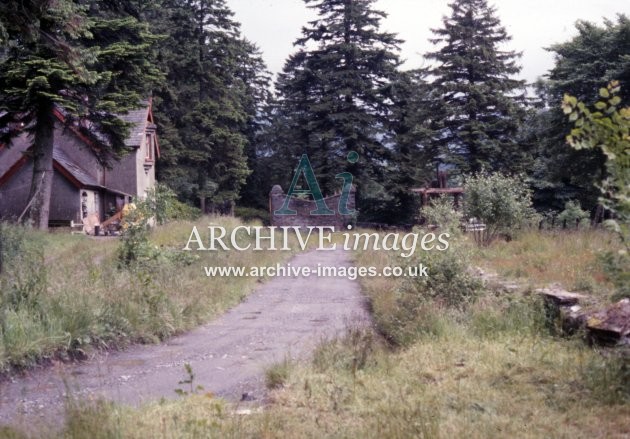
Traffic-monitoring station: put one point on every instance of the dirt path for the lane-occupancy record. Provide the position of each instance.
(283, 317)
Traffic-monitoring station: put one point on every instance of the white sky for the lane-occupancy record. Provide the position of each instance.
(275, 24)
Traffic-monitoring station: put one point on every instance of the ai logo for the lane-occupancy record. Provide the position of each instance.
(304, 167)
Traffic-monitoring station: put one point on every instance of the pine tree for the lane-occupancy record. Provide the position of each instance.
(583, 65)
(90, 60)
(335, 95)
(415, 157)
(208, 118)
(481, 103)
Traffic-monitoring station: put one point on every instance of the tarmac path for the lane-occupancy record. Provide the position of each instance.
(284, 317)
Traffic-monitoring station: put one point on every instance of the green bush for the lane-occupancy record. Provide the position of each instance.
(449, 281)
(252, 214)
(572, 215)
(134, 242)
(442, 213)
(162, 204)
(418, 301)
(502, 203)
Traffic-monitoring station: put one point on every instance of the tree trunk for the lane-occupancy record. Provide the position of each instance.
(1, 247)
(41, 185)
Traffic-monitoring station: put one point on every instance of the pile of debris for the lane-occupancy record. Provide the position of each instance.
(604, 325)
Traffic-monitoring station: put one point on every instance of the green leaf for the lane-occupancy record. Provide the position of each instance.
(603, 92)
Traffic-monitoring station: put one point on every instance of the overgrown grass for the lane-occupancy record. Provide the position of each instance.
(480, 377)
(489, 368)
(62, 295)
(570, 258)
(277, 374)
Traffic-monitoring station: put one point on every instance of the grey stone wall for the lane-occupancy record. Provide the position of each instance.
(303, 218)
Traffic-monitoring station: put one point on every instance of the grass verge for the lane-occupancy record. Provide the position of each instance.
(570, 258)
(62, 295)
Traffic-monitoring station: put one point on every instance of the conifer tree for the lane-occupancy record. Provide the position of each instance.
(209, 103)
(90, 60)
(481, 104)
(414, 155)
(334, 95)
(583, 64)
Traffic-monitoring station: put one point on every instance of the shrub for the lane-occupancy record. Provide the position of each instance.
(572, 215)
(252, 214)
(159, 206)
(442, 213)
(278, 374)
(161, 203)
(134, 243)
(503, 203)
(419, 302)
(449, 281)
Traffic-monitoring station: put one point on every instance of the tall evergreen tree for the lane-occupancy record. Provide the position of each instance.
(89, 59)
(209, 103)
(583, 65)
(415, 156)
(335, 94)
(481, 102)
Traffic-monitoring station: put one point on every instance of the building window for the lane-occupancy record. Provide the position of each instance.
(84, 204)
(150, 148)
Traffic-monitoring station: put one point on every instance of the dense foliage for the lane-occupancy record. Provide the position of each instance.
(597, 55)
(479, 103)
(89, 60)
(225, 138)
(607, 128)
(502, 203)
(207, 108)
(334, 98)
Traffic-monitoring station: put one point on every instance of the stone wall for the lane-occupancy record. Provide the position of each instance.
(303, 218)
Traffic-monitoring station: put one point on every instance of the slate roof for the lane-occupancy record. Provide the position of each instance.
(138, 119)
(77, 172)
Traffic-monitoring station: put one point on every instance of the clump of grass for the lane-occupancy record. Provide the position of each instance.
(11, 433)
(358, 349)
(278, 374)
(517, 315)
(608, 378)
